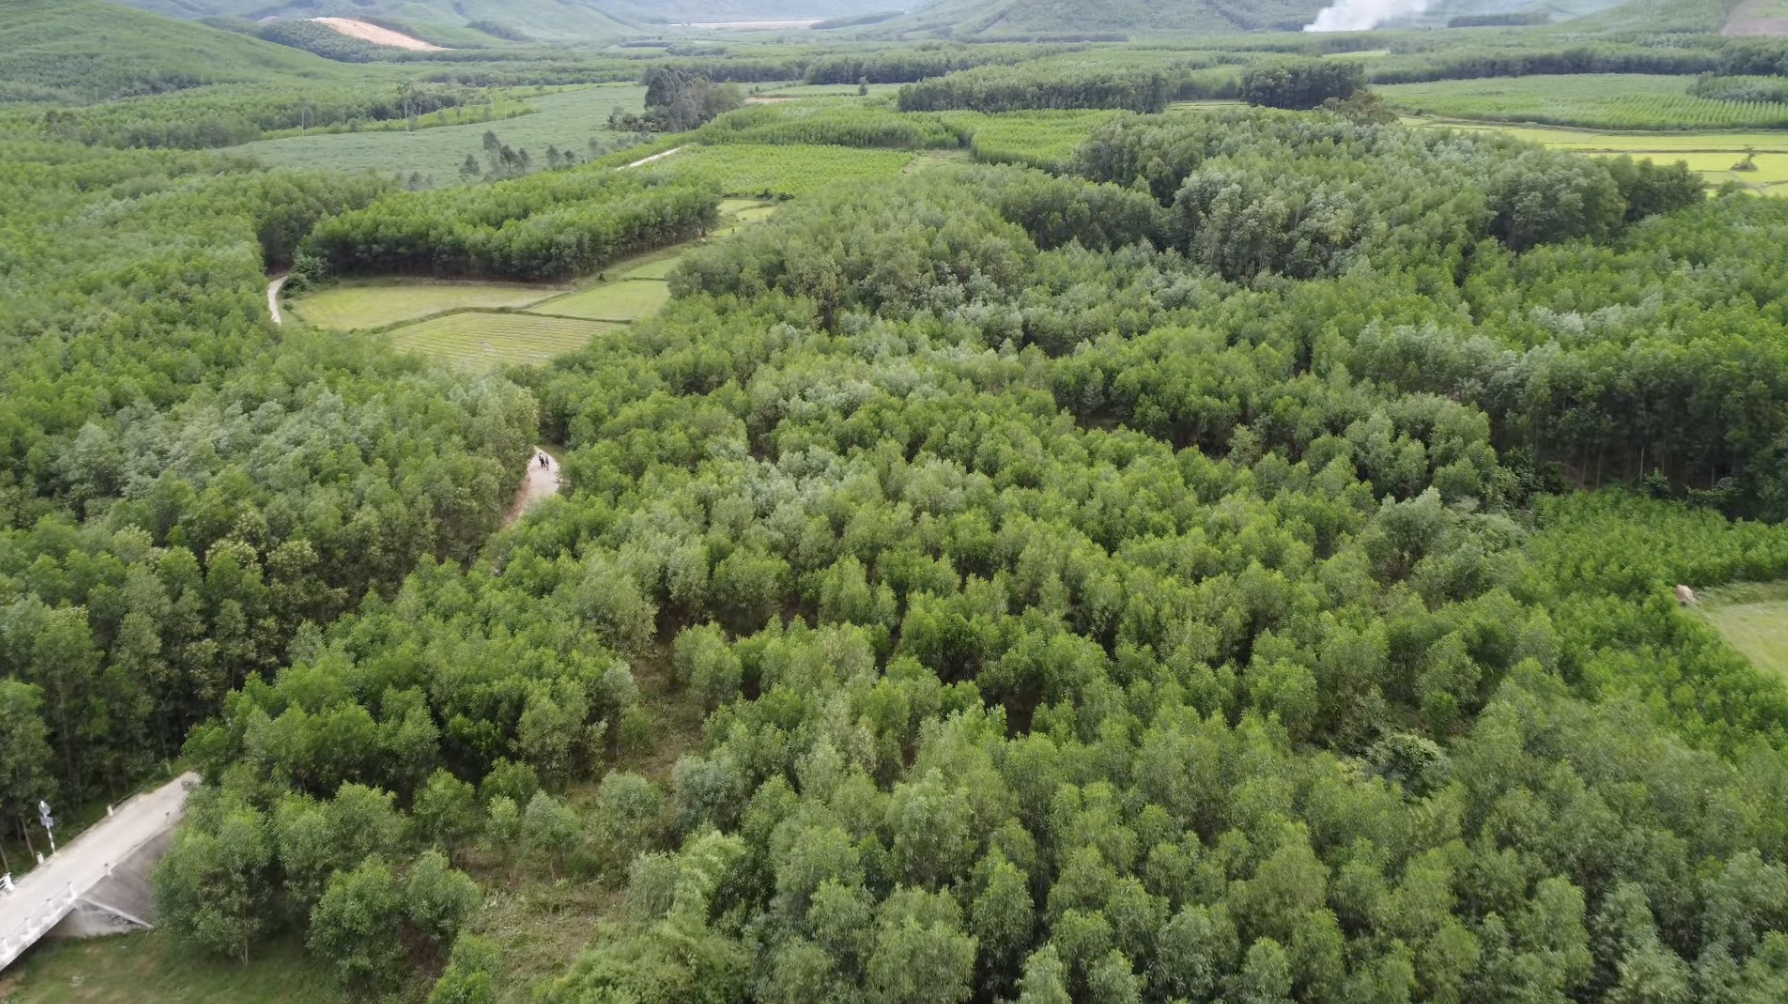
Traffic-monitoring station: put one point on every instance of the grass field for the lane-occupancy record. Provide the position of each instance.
(1599, 101)
(141, 968)
(1712, 154)
(380, 303)
(568, 119)
(621, 300)
(1754, 618)
(477, 340)
(749, 169)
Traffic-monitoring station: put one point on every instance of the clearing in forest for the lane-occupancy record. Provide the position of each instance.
(367, 32)
(625, 300)
(476, 340)
(367, 305)
(1754, 618)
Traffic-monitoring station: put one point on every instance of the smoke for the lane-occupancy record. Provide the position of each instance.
(1364, 15)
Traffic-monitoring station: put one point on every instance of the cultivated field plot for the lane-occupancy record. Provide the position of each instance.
(624, 300)
(478, 340)
(750, 169)
(568, 119)
(1600, 101)
(1045, 139)
(1754, 618)
(378, 304)
(1712, 154)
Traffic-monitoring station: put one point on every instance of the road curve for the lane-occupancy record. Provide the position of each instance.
(277, 283)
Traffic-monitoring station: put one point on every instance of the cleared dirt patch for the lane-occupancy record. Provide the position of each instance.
(377, 35)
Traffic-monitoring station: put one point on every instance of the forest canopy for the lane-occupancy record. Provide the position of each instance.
(1051, 548)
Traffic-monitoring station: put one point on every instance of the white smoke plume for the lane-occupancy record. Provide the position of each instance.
(1364, 15)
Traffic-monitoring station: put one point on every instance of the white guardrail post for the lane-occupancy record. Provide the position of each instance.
(36, 925)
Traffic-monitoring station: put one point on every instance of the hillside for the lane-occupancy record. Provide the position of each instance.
(442, 21)
(87, 50)
(1051, 17)
(459, 22)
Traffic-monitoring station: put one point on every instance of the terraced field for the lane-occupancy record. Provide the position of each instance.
(478, 340)
(381, 303)
(625, 300)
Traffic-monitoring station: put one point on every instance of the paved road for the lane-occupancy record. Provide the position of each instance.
(540, 483)
(82, 862)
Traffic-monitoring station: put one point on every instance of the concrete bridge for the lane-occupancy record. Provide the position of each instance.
(97, 883)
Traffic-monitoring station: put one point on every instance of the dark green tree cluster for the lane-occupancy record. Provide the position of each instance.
(909, 64)
(1303, 197)
(541, 227)
(1304, 84)
(1041, 86)
(832, 125)
(678, 100)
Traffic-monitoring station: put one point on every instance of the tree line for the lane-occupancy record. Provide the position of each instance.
(536, 228)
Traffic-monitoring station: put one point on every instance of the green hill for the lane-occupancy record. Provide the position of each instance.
(86, 50)
(442, 21)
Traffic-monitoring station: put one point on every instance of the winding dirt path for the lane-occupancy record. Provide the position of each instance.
(276, 284)
(540, 483)
(647, 160)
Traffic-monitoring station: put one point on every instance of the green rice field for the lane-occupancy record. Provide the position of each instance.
(381, 303)
(569, 119)
(622, 300)
(1600, 101)
(477, 340)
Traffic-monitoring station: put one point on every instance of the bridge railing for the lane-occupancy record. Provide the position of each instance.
(36, 924)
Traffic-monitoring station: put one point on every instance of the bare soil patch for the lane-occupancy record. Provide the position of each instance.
(376, 35)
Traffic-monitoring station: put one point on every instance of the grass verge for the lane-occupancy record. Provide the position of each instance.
(150, 968)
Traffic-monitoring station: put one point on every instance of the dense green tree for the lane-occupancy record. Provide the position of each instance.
(355, 925)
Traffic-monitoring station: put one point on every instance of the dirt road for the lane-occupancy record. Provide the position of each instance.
(540, 483)
(647, 160)
(276, 284)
